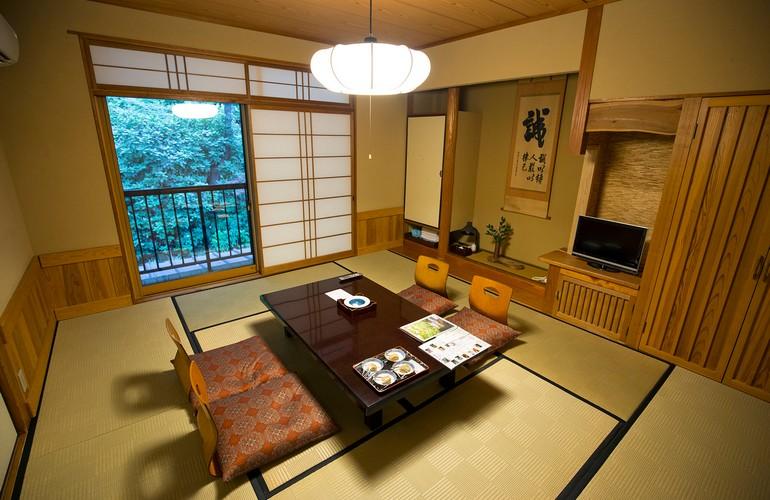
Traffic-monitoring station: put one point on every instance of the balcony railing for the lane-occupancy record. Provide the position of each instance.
(189, 230)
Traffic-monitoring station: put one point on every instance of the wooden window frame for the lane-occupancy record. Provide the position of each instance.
(99, 93)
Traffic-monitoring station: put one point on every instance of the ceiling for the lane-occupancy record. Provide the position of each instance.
(417, 23)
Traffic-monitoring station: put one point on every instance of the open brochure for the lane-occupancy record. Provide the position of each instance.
(454, 347)
(428, 327)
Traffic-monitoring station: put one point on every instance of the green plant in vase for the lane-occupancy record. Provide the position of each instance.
(500, 236)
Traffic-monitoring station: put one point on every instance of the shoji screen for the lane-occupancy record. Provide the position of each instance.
(303, 173)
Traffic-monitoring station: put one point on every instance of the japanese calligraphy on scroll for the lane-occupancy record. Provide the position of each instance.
(536, 123)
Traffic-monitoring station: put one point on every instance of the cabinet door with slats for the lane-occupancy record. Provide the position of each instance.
(592, 305)
(690, 320)
(749, 368)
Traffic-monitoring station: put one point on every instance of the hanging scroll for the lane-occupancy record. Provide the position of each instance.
(537, 117)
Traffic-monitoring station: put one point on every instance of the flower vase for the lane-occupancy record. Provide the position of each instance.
(497, 252)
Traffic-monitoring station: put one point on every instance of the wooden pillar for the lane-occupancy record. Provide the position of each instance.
(448, 170)
(587, 61)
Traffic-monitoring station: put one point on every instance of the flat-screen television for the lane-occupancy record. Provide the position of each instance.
(609, 244)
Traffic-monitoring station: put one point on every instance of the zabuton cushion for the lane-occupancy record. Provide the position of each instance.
(266, 423)
(236, 368)
(427, 300)
(490, 331)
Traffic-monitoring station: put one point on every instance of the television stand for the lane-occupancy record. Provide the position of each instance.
(589, 295)
(603, 267)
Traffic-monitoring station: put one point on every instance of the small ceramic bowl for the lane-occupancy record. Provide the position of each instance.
(395, 355)
(403, 368)
(371, 365)
(384, 378)
(357, 302)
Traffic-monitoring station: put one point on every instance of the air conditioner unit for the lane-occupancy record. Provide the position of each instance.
(9, 43)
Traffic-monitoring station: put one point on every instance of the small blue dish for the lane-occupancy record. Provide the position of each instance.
(357, 302)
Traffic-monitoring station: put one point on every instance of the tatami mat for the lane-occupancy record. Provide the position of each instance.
(156, 458)
(226, 303)
(114, 422)
(612, 376)
(297, 359)
(504, 433)
(696, 439)
(107, 370)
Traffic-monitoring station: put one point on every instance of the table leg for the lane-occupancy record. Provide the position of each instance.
(447, 381)
(374, 420)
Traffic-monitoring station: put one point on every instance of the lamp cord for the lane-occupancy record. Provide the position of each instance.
(371, 33)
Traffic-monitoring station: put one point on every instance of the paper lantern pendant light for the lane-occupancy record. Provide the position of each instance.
(370, 68)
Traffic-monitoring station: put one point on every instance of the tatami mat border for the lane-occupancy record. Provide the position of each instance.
(589, 469)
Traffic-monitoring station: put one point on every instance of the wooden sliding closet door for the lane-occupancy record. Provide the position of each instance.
(749, 368)
(703, 277)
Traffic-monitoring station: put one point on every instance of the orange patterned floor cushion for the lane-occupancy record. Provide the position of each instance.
(266, 423)
(427, 300)
(490, 331)
(236, 368)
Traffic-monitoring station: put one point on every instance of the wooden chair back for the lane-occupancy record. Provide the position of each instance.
(206, 426)
(490, 298)
(431, 274)
(181, 360)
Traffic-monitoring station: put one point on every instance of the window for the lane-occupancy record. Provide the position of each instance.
(184, 185)
(302, 162)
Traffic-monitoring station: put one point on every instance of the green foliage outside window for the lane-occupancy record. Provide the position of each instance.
(158, 150)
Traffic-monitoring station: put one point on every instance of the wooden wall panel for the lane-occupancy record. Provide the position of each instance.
(86, 281)
(26, 334)
(379, 229)
(705, 279)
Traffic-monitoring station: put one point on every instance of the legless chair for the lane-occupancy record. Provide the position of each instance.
(247, 430)
(429, 291)
(488, 316)
(228, 370)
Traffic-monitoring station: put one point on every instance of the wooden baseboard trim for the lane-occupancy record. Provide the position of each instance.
(69, 312)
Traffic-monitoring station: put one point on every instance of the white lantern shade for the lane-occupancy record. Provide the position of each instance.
(195, 110)
(370, 68)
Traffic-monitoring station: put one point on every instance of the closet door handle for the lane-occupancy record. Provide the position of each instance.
(758, 270)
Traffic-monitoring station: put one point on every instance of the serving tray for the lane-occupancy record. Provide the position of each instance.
(390, 366)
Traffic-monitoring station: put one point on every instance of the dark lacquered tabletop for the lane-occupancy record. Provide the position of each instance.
(340, 340)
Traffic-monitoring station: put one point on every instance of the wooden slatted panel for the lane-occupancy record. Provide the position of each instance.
(751, 370)
(593, 307)
(86, 281)
(749, 367)
(379, 229)
(694, 316)
(26, 331)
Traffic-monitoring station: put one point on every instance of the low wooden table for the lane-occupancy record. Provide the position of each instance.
(339, 339)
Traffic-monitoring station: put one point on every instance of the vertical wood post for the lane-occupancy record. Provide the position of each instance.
(587, 60)
(448, 170)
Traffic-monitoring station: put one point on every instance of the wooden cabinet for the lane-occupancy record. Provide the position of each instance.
(593, 299)
(702, 300)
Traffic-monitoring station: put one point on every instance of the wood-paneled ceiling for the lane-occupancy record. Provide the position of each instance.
(417, 23)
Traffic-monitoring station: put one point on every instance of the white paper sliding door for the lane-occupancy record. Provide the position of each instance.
(303, 172)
